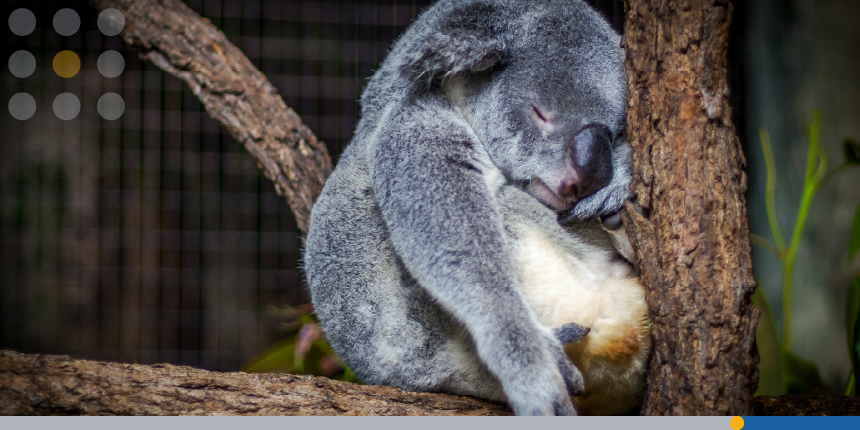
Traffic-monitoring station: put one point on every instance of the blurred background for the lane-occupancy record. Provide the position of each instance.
(154, 238)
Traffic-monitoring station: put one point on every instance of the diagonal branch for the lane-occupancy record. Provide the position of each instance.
(234, 93)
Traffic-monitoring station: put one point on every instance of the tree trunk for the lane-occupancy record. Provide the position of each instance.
(691, 236)
(234, 93)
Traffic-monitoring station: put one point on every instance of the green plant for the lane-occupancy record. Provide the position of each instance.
(781, 371)
(304, 351)
(852, 310)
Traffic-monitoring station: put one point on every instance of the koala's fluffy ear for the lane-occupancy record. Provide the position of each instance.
(468, 41)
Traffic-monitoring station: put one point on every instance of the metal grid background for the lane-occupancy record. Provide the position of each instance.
(154, 238)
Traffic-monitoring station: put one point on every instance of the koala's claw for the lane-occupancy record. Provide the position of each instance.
(571, 333)
(572, 376)
(612, 221)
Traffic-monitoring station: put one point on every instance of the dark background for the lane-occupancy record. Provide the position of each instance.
(154, 238)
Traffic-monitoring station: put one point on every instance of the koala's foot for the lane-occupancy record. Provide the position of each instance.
(570, 333)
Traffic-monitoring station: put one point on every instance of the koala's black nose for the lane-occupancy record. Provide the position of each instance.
(589, 162)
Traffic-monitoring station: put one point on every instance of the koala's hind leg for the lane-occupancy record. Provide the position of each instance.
(377, 318)
(398, 336)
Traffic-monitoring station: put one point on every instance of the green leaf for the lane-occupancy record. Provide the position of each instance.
(279, 358)
(852, 309)
(348, 376)
(770, 191)
(770, 365)
(854, 242)
(852, 326)
(802, 377)
(852, 151)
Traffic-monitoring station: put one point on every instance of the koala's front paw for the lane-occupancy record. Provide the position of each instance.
(545, 386)
(606, 201)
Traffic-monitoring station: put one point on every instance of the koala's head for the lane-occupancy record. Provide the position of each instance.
(541, 82)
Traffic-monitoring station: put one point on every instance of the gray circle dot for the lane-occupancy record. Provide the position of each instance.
(22, 64)
(111, 64)
(22, 22)
(111, 106)
(22, 106)
(67, 22)
(111, 22)
(67, 106)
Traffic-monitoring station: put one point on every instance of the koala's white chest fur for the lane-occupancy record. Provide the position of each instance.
(595, 292)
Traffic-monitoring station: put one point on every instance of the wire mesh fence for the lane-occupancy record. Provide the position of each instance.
(153, 237)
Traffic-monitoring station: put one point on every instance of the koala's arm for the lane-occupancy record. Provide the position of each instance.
(431, 184)
(610, 198)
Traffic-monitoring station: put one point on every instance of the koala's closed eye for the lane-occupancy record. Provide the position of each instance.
(543, 119)
(539, 114)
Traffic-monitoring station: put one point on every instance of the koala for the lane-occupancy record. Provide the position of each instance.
(413, 270)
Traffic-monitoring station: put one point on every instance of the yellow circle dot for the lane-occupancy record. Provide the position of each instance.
(67, 64)
(737, 423)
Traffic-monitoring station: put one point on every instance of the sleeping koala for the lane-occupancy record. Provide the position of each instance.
(412, 268)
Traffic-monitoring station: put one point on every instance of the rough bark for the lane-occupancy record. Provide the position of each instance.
(692, 237)
(234, 93)
(59, 385)
(792, 405)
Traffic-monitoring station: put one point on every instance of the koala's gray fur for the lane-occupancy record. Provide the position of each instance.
(409, 264)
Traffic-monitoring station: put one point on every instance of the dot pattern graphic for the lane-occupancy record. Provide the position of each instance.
(111, 22)
(111, 106)
(22, 106)
(22, 64)
(22, 22)
(67, 106)
(111, 64)
(66, 64)
(67, 22)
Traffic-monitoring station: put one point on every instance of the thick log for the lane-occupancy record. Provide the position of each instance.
(234, 93)
(60, 385)
(692, 236)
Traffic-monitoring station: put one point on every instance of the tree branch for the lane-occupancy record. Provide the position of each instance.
(234, 93)
(60, 385)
